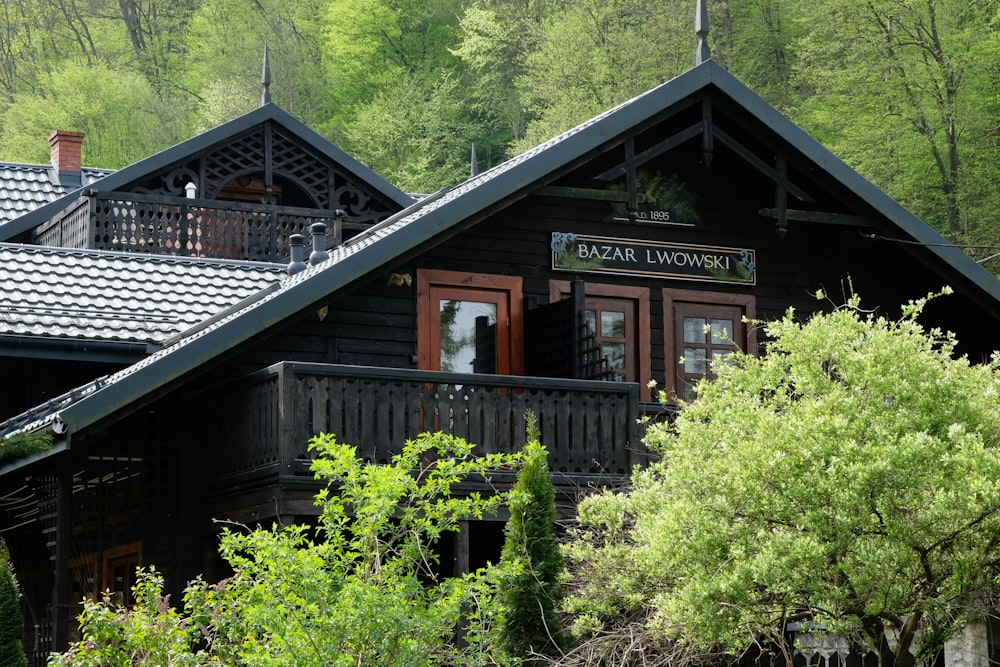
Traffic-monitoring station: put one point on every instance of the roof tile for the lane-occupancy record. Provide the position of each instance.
(25, 187)
(106, 296)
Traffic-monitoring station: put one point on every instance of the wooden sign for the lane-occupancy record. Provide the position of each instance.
(679, 261)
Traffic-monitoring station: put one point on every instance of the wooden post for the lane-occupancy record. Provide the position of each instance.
(64, 537)
(461, 558)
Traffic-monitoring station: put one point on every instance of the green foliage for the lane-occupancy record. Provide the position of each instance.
(121, 114)
(22, 444)
(224, 44)
(361, 588)
(417, 134)
(594, 54)
(11, 617)
(533, 584)
(149, 633)
(897, 90)
(373, 46)
(850, 477)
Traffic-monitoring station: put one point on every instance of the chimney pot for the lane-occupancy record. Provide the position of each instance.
(297, 249)
(319, 253)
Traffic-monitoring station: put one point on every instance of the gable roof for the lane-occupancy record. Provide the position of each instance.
(269, 112)
(424, 221)
(91, 295)
(25, 187)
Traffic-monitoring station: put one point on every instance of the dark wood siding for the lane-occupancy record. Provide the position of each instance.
(375, 323)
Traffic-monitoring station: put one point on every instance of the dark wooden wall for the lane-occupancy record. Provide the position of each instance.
(375, 324)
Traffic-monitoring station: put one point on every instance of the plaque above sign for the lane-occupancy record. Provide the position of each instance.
(679, 261)
(652, 214)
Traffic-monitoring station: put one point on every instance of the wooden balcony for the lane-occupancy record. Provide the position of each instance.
(162, 225)
(589, 427)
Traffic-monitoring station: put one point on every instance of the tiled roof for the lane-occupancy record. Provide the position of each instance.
(25, 187)
(112, 296)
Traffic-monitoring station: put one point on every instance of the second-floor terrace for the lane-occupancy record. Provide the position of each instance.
(190, 227)
(591, 428)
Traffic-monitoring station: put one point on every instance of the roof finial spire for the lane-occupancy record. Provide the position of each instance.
(474, 163)
(701, 29)
(265, 80)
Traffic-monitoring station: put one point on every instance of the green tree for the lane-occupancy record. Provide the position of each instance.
(120, 113)
(495, 39)
(896, 89)
(417, 134)
(11, 617)
(362, 587)
(849, 478)
(373, 46)
(535, 567)
(754, 40)
(594, 54)
(224, 45)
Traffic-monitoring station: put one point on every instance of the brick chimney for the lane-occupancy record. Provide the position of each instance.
(65, 148)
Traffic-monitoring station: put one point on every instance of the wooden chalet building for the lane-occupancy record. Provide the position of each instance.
(561, 281)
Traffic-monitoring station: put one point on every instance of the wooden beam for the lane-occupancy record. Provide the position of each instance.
(707, 143)
(631, 181)
(582, 193)
(760, 165)
(60, 559)
(654, 151)
(781, 197)
(819, 217)
(268, 163)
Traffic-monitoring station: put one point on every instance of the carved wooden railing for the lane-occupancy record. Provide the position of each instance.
(589, 427)
(163, 225)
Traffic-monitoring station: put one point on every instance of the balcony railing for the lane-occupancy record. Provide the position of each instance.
(589, 427)
(162, 225)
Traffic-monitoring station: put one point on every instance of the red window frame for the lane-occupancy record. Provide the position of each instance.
(675, 300)
(559, 289)
(434, 284)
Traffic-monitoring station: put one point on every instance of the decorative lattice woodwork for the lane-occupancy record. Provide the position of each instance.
(292, 165)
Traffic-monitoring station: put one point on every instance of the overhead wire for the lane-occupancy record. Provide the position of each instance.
(963, 248)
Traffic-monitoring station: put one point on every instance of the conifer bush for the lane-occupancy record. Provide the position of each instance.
(11, 618)
(531, 626)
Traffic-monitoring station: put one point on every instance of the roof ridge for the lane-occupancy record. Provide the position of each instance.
(48, 166)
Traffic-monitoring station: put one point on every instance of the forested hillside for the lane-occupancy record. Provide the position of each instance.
(906, 91)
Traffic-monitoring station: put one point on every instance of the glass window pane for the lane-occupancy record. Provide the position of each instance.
(591, 319)
(720, 357)
(687, 388)
(612, 324)
(463, 338)
(694, 329)
(614, 353)
(722, 332)
(695, 360)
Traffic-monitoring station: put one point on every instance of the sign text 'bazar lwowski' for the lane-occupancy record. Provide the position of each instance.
(597, 254)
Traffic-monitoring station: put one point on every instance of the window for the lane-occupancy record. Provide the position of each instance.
(612, 322)
(618, 316)
(699, 330)
(120, 564)
(88, 581)
(469, 323)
